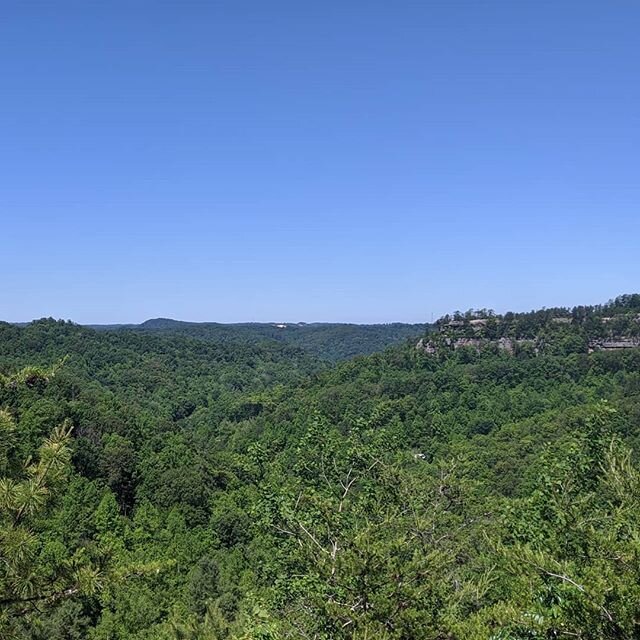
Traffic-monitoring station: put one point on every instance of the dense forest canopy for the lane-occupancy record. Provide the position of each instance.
(479, 481)
(326, 341)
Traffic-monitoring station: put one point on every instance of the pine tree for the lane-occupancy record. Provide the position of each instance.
(34, 574)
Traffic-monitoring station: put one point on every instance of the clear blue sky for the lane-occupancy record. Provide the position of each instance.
(359, 161)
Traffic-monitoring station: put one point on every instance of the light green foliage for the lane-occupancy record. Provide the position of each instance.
(370, 540)
(163, 485)
(36, 569)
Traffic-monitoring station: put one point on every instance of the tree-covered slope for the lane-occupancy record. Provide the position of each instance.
(441, 489)
(327, 341)
(140, 367)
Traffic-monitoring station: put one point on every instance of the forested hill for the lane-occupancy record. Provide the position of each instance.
(166, 374)
(478, 483)
(328, 341)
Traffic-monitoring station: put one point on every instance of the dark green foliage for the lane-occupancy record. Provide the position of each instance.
(327, 341)
(38, 569)
(211, 488)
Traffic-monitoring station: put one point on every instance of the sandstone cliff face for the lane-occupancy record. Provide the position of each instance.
(503, 344)
(510, 345)
(546, 331)
(612, 344)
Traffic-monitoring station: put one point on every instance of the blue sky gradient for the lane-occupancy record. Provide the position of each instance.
(360, 161)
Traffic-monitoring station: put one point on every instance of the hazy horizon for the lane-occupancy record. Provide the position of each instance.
(289, 321)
